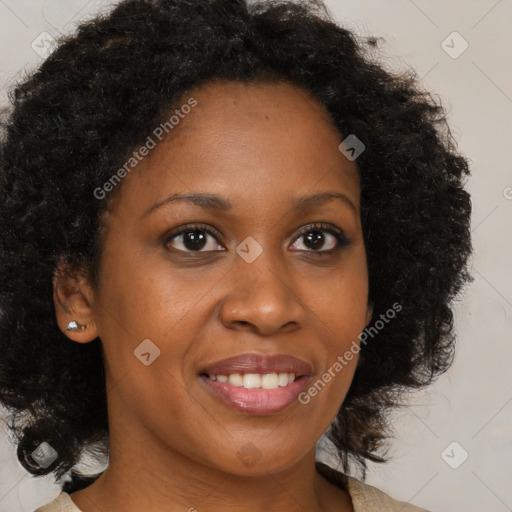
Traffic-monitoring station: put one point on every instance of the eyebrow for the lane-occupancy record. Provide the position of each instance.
(218, 203)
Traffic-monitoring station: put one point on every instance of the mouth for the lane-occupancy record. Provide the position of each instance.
(257, 383)
(256, 394)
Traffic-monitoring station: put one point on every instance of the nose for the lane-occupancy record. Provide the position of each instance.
(262, 297)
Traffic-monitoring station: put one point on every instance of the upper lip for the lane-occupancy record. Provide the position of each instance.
(258, 363)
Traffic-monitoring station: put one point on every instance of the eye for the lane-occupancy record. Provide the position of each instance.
(194, 239)
(314, 238)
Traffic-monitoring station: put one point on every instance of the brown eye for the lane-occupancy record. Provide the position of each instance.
(193, 239)
(315, 238)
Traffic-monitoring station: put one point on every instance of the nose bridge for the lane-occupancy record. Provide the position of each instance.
(267, 272)
(262, 290)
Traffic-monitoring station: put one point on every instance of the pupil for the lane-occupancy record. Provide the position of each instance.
(194, 240)
(316, 238)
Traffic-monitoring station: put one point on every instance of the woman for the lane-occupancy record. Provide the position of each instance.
(226, 232)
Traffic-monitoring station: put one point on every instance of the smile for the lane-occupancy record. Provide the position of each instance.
(253, 393)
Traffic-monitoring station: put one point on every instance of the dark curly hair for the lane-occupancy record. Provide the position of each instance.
(72, 123)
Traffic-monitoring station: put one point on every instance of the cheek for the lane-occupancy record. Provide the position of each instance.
(148, 299)
(144, 299)
(342, 308)
(146, 328)
(340, 343)
(344, 299)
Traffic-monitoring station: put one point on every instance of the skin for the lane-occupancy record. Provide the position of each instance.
(173, 445)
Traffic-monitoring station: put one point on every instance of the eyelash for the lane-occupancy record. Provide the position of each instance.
(338, 234)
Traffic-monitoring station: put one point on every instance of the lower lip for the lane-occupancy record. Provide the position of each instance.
(257, 400)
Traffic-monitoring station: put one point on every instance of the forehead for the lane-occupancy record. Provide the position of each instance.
(256, 141)
(230, 107)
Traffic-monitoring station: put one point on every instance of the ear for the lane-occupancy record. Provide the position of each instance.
(73, 299)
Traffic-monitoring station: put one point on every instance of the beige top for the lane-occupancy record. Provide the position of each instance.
(365, 498)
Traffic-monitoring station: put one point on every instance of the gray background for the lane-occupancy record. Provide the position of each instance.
(471, 405)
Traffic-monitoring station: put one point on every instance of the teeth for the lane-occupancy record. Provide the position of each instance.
(270, 381)
(283, 379)
(235, 379)
(249, 380)
(256, 380)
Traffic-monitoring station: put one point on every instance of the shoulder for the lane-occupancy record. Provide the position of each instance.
(62, 503)
(365, 497)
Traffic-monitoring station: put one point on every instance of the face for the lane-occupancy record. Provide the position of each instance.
(203, 283)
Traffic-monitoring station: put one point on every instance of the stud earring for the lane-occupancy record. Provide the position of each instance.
(74, 326)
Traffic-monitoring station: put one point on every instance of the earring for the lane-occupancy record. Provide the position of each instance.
(74, 326)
